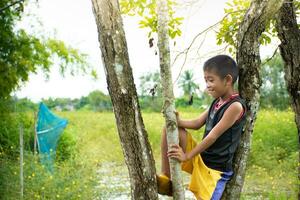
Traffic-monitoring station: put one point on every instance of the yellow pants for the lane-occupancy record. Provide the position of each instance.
(206, 183)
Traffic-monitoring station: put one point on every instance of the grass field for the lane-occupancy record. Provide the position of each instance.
(99, 162)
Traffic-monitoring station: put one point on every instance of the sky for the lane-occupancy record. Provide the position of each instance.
(73, 22)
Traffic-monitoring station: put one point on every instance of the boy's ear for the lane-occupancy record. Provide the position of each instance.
(229, 79)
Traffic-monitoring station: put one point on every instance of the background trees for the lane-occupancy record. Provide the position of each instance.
(22, 53)
(187, 83)
(273, 90)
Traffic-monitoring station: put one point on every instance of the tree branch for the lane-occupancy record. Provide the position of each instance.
(187, 50)
(268, 60)
(10, 5)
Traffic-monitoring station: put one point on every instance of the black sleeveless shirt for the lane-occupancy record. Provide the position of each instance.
(220, 154)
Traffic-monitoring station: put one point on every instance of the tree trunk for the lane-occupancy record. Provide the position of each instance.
(248, 60)
(169, 104)
(132, 133)
(289, 34)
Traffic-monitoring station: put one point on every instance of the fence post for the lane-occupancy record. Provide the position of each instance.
(21, 162)
(35, 133)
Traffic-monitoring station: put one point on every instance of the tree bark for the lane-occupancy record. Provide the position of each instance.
(169, 104)
(248, 59)
(289, 35)
(132, 133)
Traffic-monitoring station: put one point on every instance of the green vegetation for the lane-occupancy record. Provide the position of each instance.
(271, 173)
(89, 154)
(273, 91)
(22, 53)
(273, 163)
(146, 10)
(187, 83)
(235, 11)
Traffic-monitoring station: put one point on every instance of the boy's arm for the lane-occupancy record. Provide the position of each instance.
(229, 118)
(194, 123)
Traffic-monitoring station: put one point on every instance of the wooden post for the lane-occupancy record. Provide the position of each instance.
(35, 133)
(21, 162)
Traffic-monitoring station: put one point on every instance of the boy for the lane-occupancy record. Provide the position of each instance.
(209, 162)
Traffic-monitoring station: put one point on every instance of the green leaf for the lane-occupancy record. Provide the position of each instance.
(146, 10)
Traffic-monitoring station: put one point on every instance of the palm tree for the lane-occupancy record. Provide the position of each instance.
(186, 82)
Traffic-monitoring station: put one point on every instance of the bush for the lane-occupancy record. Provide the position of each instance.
(150, 103)
(73, 179)
(66, 146)
(279, 142)
(10, 124)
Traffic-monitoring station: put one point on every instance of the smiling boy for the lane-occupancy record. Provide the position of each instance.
(210, 161)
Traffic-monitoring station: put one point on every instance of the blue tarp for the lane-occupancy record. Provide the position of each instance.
(49, 128)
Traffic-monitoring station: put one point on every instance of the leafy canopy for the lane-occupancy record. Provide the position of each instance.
(235, 12)
(22, 53)
(146, 9)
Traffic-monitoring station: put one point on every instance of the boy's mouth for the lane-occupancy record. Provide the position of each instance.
(210, 91)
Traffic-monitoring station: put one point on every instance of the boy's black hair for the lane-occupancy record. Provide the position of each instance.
(222, 65)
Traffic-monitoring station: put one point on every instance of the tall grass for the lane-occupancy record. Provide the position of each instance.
(272, 166)
(271, 170)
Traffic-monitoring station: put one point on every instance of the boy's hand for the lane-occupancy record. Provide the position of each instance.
(177, 153)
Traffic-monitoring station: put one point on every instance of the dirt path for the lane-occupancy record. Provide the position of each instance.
(114, 183)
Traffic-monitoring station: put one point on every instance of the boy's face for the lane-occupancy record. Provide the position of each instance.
(215, 85)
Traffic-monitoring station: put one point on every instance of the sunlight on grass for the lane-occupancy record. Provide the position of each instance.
(97, 168)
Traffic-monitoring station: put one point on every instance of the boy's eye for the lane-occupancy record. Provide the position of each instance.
(209, 80)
